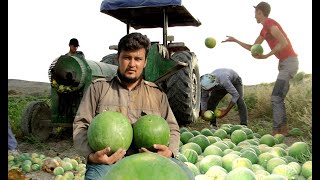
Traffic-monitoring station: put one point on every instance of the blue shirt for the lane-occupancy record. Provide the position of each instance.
(226, 78)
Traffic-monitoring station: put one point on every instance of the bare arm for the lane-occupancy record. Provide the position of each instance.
(224, 112)
(282, 41)
(246, 46)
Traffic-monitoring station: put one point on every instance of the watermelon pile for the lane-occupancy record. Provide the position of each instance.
(61, 168)
(114, 130)
(236, 152)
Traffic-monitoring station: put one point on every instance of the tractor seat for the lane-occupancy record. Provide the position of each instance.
(177, 46)
(163, 51)
(113, 47)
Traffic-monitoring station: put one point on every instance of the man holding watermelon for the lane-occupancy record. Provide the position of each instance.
(288, 66)
(130, 94)
(217, 84)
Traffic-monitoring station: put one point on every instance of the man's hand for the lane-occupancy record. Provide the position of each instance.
(101, 157)
(260, 56)
(162, 150)
(230, 39)
(224, 112)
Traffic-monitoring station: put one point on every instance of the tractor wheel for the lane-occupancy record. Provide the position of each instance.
(110, 59)
(183, 89)
(36, 112)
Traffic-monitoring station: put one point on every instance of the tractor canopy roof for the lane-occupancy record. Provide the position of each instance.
(149, 13)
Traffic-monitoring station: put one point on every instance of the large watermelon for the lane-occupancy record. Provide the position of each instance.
(110, 129)
(150, 129)
(146, 166)
(300, 150)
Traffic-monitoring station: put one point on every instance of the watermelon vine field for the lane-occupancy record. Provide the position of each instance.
(230, 152)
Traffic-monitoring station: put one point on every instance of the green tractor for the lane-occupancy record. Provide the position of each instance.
(171, 65)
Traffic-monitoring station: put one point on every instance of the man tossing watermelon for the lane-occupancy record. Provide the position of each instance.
(288, 64)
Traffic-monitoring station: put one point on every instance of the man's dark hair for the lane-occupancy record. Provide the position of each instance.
(264, 7)
(134, 41)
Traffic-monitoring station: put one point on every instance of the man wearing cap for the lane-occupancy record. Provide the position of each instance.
(215, 85)
(73, 46)
(288, 65)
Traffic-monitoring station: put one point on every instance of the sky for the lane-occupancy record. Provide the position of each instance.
(39, 31)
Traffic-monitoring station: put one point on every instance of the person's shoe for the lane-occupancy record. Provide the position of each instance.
(276, 131)
(215, 127)
(284, 130)
(244, 124)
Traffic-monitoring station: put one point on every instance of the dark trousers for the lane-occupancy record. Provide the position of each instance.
(217, 95)
(12, 142)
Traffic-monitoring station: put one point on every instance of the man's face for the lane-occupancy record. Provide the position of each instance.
(257, 15)
(73, 48)
(131, 64)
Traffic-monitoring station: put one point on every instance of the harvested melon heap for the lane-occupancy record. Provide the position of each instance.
(230, 152)
(236, 152)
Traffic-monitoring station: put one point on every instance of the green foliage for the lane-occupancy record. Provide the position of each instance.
(298, 105)
(16, 106)
(36, 142)
(262, 94)
(251, 100)
(299, 77)
(256, 125)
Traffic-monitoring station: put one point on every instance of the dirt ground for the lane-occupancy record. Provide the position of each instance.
(62, 145)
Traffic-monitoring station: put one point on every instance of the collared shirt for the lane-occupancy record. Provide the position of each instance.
(226, 78)
(110, 95)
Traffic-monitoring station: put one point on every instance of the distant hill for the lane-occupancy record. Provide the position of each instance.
(23, 87)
